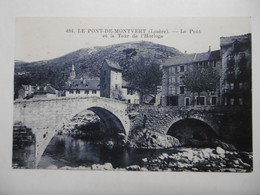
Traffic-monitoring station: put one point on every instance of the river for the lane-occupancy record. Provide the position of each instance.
(65, 151)
(68, 151)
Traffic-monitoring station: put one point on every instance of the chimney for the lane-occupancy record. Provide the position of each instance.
(209, 48)
(185, 51)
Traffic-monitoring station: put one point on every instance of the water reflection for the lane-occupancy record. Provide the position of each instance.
(68, 151)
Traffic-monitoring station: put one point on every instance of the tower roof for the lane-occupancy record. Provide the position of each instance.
(113, 65)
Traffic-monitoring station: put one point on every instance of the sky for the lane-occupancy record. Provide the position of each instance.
(47, 38)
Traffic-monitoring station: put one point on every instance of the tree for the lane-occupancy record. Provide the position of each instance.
(201, 79)
(144, 77)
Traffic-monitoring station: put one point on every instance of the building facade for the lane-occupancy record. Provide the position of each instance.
(175, 93)
(236, 70)
(111, 80)
(233, 64)
(113, 86)
(82, 87)
(26, 91)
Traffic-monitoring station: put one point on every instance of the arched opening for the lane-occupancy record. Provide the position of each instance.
(192, 132)
(96, 125)
(73, 149)
(111, 126)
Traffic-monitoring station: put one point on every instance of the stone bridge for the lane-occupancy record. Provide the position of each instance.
(46, 116)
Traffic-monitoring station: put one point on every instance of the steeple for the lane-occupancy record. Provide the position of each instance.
(72, 73)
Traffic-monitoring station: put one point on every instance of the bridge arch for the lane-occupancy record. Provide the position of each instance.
(46, 116)
(193, 131)
(111, 121)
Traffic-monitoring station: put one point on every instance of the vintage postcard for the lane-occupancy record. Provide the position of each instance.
(133, 94)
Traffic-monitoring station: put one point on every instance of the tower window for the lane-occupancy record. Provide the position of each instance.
(181, 90)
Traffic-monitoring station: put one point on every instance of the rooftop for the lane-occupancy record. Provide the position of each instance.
(80, 84)
(113, 65)
(224, 41)
(47, 89)
(190, 58)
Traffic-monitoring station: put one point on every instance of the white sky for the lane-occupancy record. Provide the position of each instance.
(46, 38)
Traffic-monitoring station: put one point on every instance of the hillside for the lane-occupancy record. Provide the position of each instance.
(88, 61)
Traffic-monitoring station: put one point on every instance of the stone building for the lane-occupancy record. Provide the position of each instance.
(129, 94)
(111, 80)
(236, 70)
(113, 86)
(26, 91)
(232, 61)
(174, 92)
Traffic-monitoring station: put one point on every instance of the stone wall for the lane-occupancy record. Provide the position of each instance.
(230, 124)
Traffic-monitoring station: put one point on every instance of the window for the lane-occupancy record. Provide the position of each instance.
(232, 101)
(181, 68)
(116, 86)
(86, 91)
(77, 91)
(232, 86)
(240, 101)
(105, 73)
(171, 80)
(181, 90)
(129, 101)
(214, 63)
(187, 101)
(181, 78)
(240, 85)
(171, 90)
(213, 100)
(171, 70)
(94, 91)
(200, 100)
(71, 91)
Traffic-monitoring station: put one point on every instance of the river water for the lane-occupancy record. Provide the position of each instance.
(68, 151)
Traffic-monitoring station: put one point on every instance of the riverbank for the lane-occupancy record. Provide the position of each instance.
(183, 159)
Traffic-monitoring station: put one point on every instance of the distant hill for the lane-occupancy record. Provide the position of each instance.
(19, 62)
(88, 61)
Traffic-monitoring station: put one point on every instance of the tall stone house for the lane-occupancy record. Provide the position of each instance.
(236, 70)
(174, 92)
(113, 86)
(232, 62)
(82, 87)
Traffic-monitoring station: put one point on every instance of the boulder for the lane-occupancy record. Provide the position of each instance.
(143, 169)
(145, 138)
(108, 166)
(133, 168)
(97, 167)
(220, 151)
(188, 154)
(224, 145)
